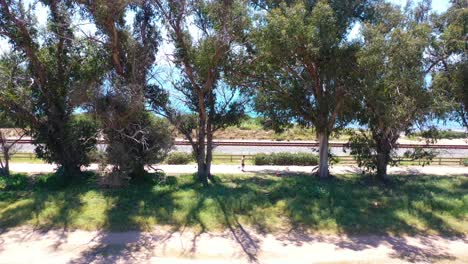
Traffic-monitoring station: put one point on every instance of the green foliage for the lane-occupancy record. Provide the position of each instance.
(392, 94)
(51, 181)
(448, 134)
(146, 141)
(56, 181)
(449, 63)
(250, 123)
(149, 179)
(307, 67)
(424, 157)
(286, 158)
(97, 156)
(13, 182)
(45, 78)
(302, 49)
(80, 140)
(134, 137)
(212, 85)
(179, 158)
(365, 151)
(5, 120)
(465, 162)
(391, 62)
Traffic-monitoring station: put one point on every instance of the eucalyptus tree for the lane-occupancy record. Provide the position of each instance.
(449, 59)
(209, 40)
(393, 92)
(130, 42)
(49, 69)
(306, 65)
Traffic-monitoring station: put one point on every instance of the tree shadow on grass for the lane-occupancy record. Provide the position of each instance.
(362, 210)
(356, 208)
(179, 214)
(47, 205)
(294, 207)
(137, 203)
(351, 206)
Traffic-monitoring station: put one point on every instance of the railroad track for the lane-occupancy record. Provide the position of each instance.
(288, 144)
(314, 144)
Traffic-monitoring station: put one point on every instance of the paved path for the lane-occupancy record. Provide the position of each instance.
(238, 245)
(234, 169)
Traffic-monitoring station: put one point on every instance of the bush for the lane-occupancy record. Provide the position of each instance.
(13, 182)
(170, 180)
(97, 156)
(285, 158)
(175, 158)
(262, 159)
(130, 147)
(465, 162)
(447, 134)
(54, 181)
(77, 140)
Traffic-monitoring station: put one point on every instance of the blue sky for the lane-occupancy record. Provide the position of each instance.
(437, 5)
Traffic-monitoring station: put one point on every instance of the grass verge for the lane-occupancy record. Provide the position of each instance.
(346, 204)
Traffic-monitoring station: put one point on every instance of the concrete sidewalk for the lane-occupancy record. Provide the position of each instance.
(237, 245)
(235, 169)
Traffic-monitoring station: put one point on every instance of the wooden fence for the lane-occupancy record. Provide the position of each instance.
(344, 160)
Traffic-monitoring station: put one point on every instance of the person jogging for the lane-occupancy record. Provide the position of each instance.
(243, 162)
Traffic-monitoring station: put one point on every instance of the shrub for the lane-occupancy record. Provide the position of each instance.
(13, 182)
(55, 181)
(448, 134)
(465, 162)
(179, 158)
(285, 158)
(170, 180)
(364, 149)
(70, 150)
(262, 159)
(149, 178)
(144, 142)
(97, 156)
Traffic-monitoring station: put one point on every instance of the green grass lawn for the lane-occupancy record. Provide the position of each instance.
(33, 160)
(346, 204)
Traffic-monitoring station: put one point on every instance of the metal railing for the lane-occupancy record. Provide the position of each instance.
(247, 143)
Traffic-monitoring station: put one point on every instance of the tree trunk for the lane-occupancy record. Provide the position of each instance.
(323, 155)
(68, 171)
(209, 152)
(5, 166)
(209, 135)
(202, 176)
(384, 143)
(382, 162)
(138, 171)
(6, 154)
